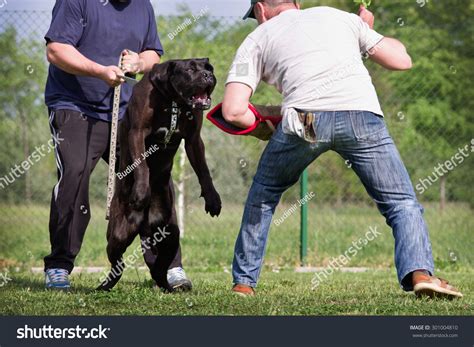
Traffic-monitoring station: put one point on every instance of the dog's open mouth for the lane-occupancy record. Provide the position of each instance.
(200, 101)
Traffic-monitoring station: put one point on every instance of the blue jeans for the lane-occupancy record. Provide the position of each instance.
(363, 139)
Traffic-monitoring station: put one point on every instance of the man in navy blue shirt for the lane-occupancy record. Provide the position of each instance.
(84, 44)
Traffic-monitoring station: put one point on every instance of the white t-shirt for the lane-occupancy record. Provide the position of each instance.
(313, 57)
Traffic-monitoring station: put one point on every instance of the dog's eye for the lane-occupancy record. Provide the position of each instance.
(190, 69)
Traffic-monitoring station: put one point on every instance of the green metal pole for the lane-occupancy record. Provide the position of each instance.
(304, 218)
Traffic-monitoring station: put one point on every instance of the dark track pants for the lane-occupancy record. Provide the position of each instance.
(80, 142)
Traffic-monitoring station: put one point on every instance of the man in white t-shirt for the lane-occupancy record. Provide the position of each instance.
(314, 58)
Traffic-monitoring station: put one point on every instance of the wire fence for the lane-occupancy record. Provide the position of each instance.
(428, 130)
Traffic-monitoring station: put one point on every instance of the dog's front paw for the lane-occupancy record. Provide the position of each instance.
(213, 203)
(140, 197)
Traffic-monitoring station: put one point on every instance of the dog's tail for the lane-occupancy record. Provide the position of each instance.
(113, 277)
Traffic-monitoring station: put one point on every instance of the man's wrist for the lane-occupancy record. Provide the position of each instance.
(97, 70)
(141, 66)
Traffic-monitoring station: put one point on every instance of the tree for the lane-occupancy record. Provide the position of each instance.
(24, 122)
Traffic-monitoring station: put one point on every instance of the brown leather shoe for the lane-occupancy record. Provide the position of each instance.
(243, 290)
(426, 285)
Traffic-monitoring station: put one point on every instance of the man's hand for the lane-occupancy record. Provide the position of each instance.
(132, 63)
(110, 75)
(367, 16)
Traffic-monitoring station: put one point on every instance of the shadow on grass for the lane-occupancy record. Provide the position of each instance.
(36, 285)
(79, 284)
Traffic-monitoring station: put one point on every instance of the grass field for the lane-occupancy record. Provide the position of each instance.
(284, 293)
(207, 248)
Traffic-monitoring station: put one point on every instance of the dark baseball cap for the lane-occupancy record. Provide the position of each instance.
(250, 13)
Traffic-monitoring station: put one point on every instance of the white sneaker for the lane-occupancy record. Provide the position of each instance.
(177, 279)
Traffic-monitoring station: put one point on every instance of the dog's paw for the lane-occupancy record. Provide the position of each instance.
(213, 203)
(164, 286)
(140, 197)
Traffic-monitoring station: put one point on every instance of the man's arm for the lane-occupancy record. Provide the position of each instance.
(243, 79)
(69, 59)
(235, 107)
(389, 53)
(149, 59)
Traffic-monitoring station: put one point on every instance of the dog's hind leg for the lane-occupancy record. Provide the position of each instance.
(167, 248)
(120, 234)
(165, 237)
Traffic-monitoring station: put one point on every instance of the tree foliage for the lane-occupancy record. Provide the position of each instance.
(428, 109)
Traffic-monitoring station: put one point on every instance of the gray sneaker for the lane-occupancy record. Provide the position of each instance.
(57, 279)
(177, 279)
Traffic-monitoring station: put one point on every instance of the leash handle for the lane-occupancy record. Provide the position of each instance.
(113, 145)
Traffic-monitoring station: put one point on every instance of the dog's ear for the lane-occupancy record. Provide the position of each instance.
(161, 73)
(207, 64)
(205, 60)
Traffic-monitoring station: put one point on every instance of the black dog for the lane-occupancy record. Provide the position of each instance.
(166, 106)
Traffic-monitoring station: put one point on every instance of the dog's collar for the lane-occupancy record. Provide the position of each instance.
(176, 112)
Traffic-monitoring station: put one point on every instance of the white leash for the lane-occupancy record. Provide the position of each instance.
(113, 145)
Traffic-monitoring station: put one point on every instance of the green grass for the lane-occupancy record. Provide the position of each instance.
(284, 293)
(208, 249)
(208, 242)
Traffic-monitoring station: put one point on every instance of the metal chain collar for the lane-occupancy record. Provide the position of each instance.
(175, 113)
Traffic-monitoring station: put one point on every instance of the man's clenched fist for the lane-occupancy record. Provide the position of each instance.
(110, 75)
(131, 62)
